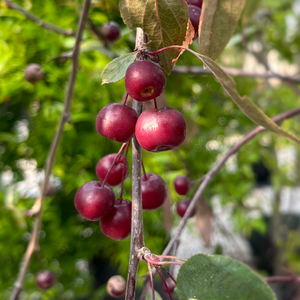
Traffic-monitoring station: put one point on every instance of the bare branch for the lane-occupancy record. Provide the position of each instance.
(137, 234)
(211, 174)
(33, 244)
(235, 72)
(37, 20)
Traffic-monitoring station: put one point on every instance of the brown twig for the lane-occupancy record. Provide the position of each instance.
(211, 174)
(235, 72)
(37, 20)
(37, 209)
(137, 234)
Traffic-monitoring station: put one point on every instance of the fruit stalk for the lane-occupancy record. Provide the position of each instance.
(37, 209)
(137, 234)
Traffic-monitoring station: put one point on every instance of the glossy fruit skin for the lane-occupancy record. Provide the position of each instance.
(117, 223)
(115, 176)
(144, 80)
(170, 285)
(111, 31)
(93, 201)
(160, 129)
(182, 207)
(45, 279)
(197, 3)
(154, 191)
(194, 14)
(116, 121)
(116, 286)
(182, 185)
(33, 73)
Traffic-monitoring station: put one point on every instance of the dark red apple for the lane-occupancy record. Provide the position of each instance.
(153, 191)
(92, 200)
(182, 207)
(111, 31)
(144, 80)
(45, 279)
(160, 129)
(182, 185)
(117, 223)
(170, 286)
(115, 176)
(116, 121)
(197, 3)
(194, 14)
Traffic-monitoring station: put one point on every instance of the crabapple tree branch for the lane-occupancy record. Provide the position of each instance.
(137, 234)
(37, 20)
(211, 174)
(33, 244)
(235, 72)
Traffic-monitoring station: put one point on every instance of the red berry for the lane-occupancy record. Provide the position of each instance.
(194, 14)
(117, 223)
(33, 73)
(197, 3)
(116, 121)
(45, 279)
(153, 191)
(115, 176)
(182, 185)
(116, 286)
(92, 200)
(111, 31)
(144, 80)
(160, 130)
(170, 286)
(182, 207)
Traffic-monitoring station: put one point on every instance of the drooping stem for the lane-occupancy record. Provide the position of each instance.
(211, 174)
(125, 99)
(144, 171)
(38, 206)
(114, 162)
(124, 172)
(137, 234)
(155, 103)
(151, 280)
(164, 281)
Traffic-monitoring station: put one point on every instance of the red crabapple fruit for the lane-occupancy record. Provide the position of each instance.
(182, 185)
(170, 286)
(144, 80)
(115, 176)
(197, 3)
(160, 129)
(116, 121)
(92, 200)
(182, 207)
(116, 286)
(45, 279)
(33, 73)
(117, 223)
(194, 14)
(111, 31)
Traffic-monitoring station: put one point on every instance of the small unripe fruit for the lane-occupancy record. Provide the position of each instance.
(45, 279)
(160, 129)
(33, 73)
(117, 223)
(111, 31)
(144, 80)
(194, 14)
(115, 176)
(182, 185)
(116, 286)
(116, 121)
(182, 206)
(92, 200)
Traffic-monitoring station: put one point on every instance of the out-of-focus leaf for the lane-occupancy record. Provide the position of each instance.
(218, 21)
(116, 69)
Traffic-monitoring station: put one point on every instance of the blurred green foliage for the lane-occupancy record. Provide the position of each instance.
(69, 245)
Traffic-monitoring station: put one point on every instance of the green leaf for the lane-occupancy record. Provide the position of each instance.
(156, 294)
(244, 103)
(116, 69)
(217, 277)
(218, 21)
(164, 22)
